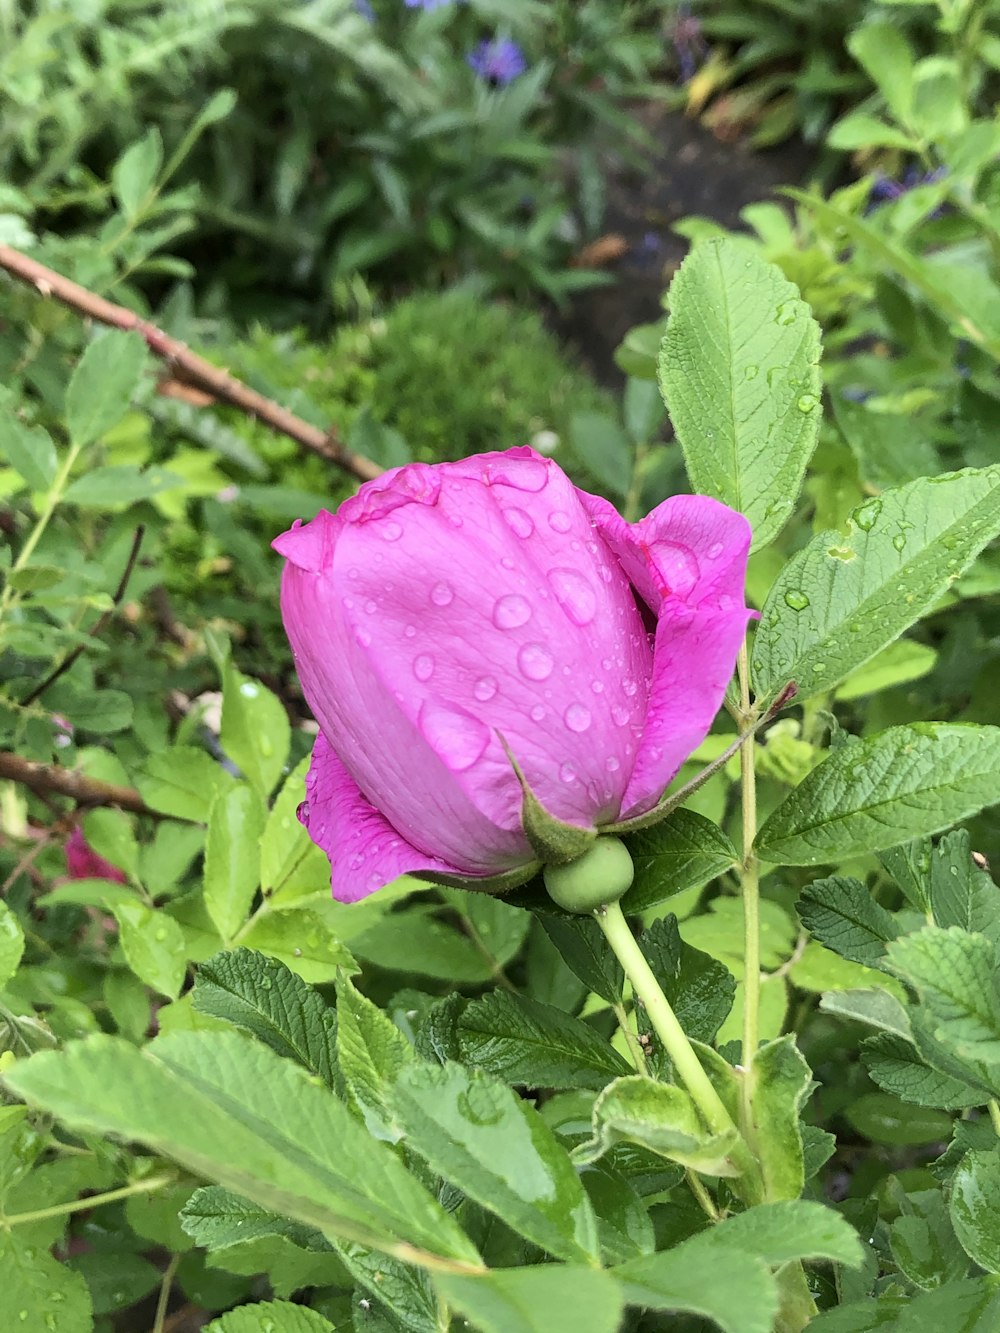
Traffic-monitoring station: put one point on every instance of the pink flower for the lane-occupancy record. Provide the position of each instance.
(448, 614)
(82, 862)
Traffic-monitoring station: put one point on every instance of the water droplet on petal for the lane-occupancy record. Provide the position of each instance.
(630, 688)
(423, 666)
(715, 550)
(410, 631)
(676, 567)
(574, 594)
(458, 738)
(612, 765)
(442, 594)
(597, 686)
(391, 531)
(620, 715)
(576, 717)
(522, 474)
(535, 662)
(567, 772)
(363, 638)
(519, 522)
(559, 521)
(511, 611)
(537, 713)
(371, 606)
(484, 689)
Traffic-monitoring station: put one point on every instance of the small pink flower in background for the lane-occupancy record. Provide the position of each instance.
(448, 611)
(82, 862)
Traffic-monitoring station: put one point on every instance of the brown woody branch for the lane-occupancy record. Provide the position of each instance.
(46, 779)
(187, 366)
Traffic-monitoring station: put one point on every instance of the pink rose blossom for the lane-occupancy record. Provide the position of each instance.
(82, 862)
(448, 612)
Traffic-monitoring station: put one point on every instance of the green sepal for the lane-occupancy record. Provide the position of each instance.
(552, 841)
(497, 885)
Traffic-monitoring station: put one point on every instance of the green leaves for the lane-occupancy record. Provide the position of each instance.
(660, 1117)
(481, 1136)
(275, 1316)
(37, 1292)
(103, 384)
(842, 599)
(234, 1112)
(29, 450)
(232, 857)
(902, 783)
(973, 1207)
(955, 974)
(738, 369)
(256, 733)
(780, 1082)
(11, 943)
(842, 914)
(536, 1300)
(685, 850)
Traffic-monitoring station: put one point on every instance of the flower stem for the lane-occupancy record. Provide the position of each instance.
(682, 1054)
(749, 880)
(148, 1186)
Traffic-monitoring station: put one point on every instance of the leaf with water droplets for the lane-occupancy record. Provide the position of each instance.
(746, 437)
(841, 600)
(153, 945)
(536, 1299)
(481, 1136)
(35, 1289)
(899, 784)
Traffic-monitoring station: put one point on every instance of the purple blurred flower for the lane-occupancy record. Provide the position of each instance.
(499, 61)
(689, 43)
(364, 8)
(426, 4)
(886, 188)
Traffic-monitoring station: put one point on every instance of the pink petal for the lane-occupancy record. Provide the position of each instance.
(687, 559)
(365, 851)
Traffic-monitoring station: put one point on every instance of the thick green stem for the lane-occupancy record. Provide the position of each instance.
(682, 1054)
(749, 881)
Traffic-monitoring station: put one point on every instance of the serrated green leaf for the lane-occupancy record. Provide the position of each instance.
(304, 941)
(924, 1244)
(842, 599)
(961, 893)
(955, 975)
(274, 1316)
(153, 945)
(479, 1135)
(232, 1111)
(216, 1219)
(109, 832)
(536, 1300)
(290, 862)
(404, 1291)
(739, 372)
(585, 950)
(28, 449)
(135, 172)
(975, 1189)
(887, 57)
(537, 1045)
(182, 782)
(842, 914)
(371, 1052)
(11, 944)
(256, 733)
(100, 711)
(30, 1280)
(419, 942)
(901, 783)
(265, 998)
(684, 851)
(897, 1067)
(779, 1233)
(780, 1082)
(699, 988)
(875, 1008)
(232, 857)
(723, 1283)
(102, 385)
(661, 1118)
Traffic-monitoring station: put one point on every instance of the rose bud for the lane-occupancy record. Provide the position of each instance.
(500, 665)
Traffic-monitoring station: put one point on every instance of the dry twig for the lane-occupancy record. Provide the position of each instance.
(186, 366)
(44, 779)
